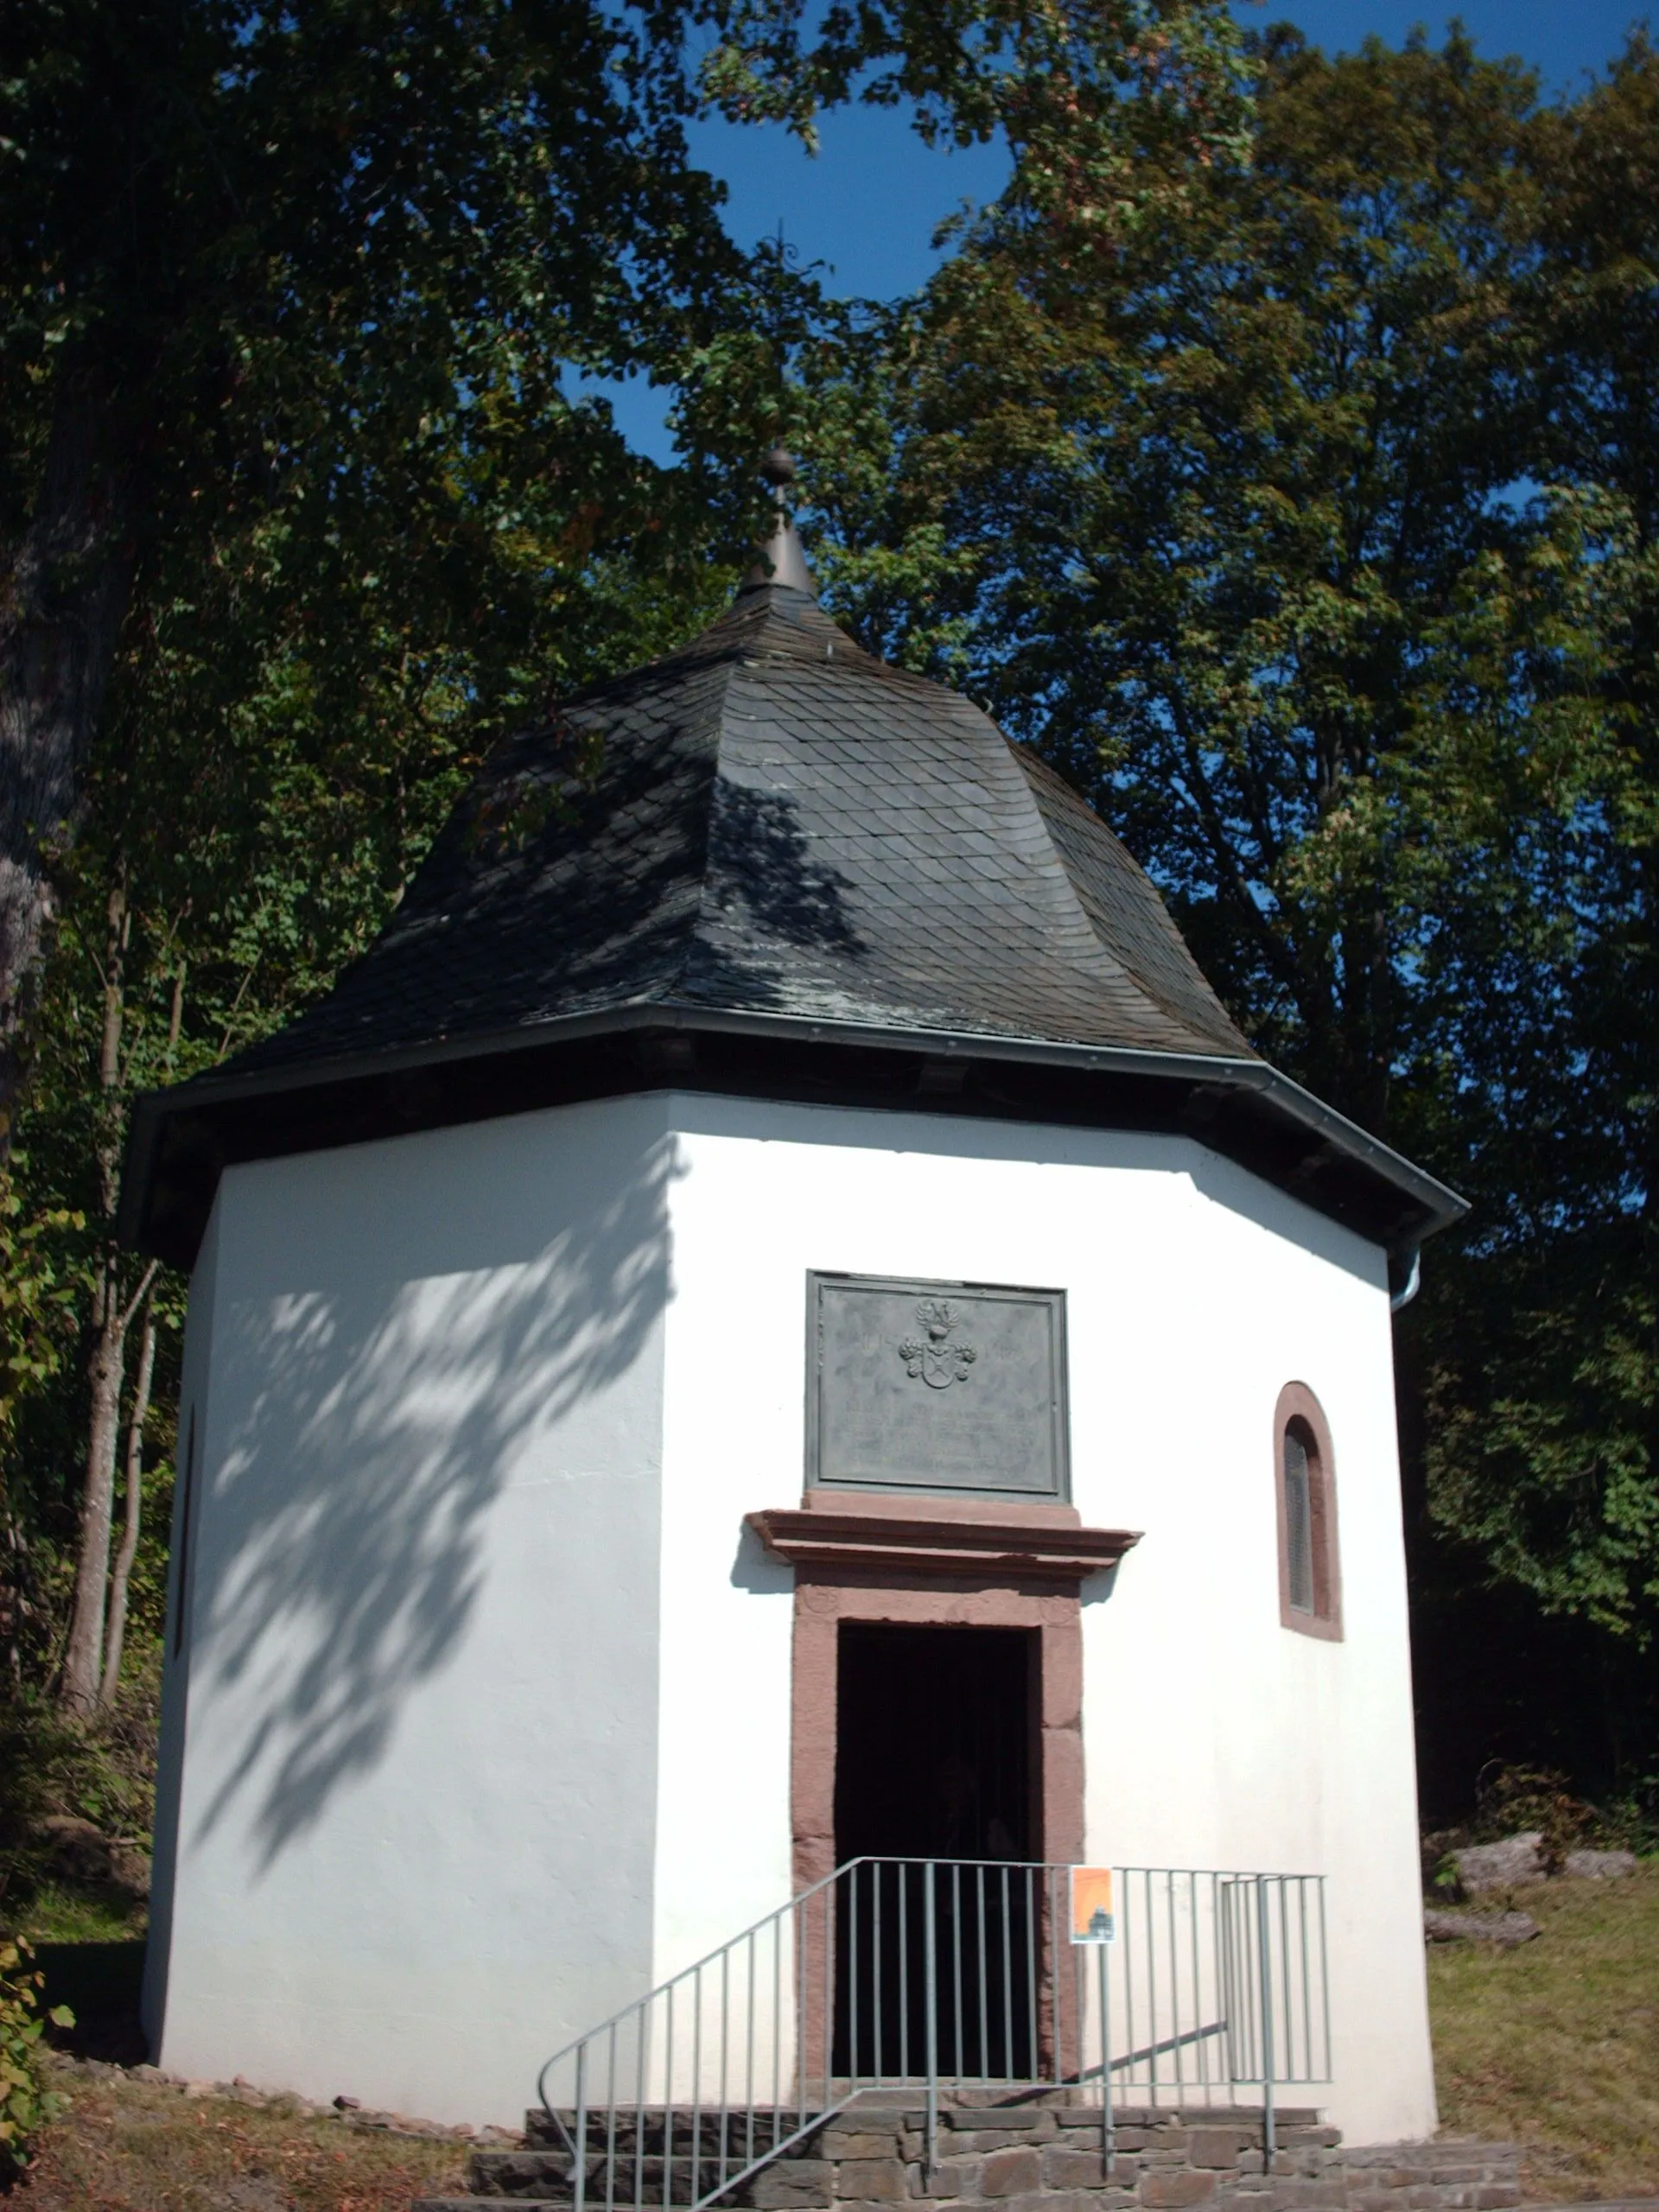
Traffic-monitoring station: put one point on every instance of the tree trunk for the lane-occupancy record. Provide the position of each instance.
(106, 1364)
(15, 1607)
(83, 1660)
(78, 1690)
(115, 1632)
(63, 596)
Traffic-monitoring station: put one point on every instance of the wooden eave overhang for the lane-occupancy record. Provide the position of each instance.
(181, 1140)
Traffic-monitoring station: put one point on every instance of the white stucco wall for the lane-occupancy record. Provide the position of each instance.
(193, 1397)
(485, 1698)
(413, 1846)
(1213, 1736)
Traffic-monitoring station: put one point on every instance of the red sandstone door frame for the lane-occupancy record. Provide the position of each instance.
(899, 1561)
(825, 1596)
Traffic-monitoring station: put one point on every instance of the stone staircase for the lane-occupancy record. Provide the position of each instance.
(1040, 2153)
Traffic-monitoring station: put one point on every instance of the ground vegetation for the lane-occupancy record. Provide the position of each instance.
(128, 2144)
(1555, 2045)
(26, 2103)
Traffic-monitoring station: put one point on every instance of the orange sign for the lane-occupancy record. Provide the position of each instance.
(1093, 1920)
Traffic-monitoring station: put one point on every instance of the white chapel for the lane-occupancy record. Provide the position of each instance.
(774, 1323)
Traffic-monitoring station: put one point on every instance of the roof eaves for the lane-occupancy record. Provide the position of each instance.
(1440, 1205)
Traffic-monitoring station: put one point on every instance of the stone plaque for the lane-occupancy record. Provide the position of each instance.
(935, 1386)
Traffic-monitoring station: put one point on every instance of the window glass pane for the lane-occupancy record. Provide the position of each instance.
(1298, 1524)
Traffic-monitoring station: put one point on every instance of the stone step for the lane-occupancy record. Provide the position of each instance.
(473, 2203)
(1025, 2157)
(545, 2175)
(1059, 2144)
(649, 2130)
(1028, 2116)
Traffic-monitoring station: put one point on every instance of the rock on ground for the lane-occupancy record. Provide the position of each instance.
(1508, 1929)
(77, 1852)
(1518, 1859)
(1599, 1865)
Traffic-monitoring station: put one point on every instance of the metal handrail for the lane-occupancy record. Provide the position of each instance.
(937, 1975)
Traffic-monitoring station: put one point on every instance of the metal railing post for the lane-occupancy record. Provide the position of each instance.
(579, 2164)
(931, 1999)
(1108, 2131)
(851, 1971)
(667, 2101)
(1002, 1985)
(1264, 1951)
(1054, 1953)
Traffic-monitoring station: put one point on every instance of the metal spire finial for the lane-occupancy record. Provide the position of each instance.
(782, 561)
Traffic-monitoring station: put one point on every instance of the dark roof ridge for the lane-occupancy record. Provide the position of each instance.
(1110, 950)
(1152, 913)
(785, 613)
(723, 639)
(724, 672)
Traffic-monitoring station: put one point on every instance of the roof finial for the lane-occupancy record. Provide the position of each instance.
(782, 560)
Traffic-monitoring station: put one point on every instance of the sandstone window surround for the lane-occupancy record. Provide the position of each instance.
(1310, 1573)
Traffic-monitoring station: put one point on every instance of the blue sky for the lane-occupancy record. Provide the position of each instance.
(868, 205)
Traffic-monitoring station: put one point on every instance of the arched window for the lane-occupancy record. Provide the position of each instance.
(1310, 1583)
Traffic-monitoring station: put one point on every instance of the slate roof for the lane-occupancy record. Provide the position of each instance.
(814, 875)
(780, 825)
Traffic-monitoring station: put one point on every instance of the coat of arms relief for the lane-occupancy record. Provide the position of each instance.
(938, 1356)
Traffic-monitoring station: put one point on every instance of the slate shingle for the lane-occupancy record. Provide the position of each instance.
(779, 824)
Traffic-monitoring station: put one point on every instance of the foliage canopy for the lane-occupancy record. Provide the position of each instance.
(1309, 530)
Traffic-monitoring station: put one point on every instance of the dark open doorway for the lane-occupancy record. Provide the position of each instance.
(933, 1742)
(935, 1759)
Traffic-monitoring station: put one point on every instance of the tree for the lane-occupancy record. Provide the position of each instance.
(233, 232)
(298, 517)
(228, 225)
(1544, 1451)
(1306, 529)
(288, 300)
(1205, 482)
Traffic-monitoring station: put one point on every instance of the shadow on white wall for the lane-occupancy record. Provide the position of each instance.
(376, 1413)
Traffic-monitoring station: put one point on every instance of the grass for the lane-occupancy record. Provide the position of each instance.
(139, 2147)
(1555, 2045)
(58, 1915)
